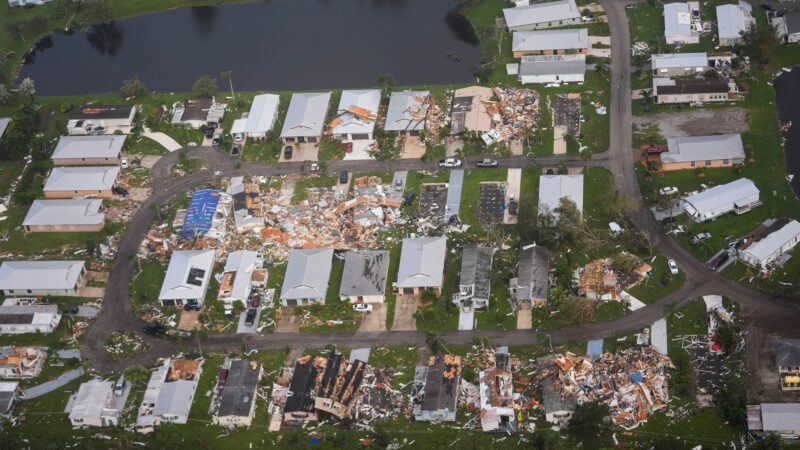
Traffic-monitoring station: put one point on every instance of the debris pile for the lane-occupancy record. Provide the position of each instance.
(322, 220)
(513, 113)
(121, 344)
(633, 383)
(597, 280)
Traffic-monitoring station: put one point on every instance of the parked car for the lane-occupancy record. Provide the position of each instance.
(314, 167)
(362, 308)
(718, 261)
(222, 378)
(191, 307)
(216, 140)
(119, 387)
(487, 162)
(673, 266)
(287, 152)
(153, 328)
(700, 237)
(669, 190)
(238, 137)
(98, 130)
(450, 163)
(210, 132)
(119, 190)
(236, 150)
(123, 163)
(409, 198)
(398, 185)
(74, 309)
(343, 177)
(348, 147)
(255, 300)
(250, 318)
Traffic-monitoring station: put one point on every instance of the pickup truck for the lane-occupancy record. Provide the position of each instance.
(487, 162)
(450, 163)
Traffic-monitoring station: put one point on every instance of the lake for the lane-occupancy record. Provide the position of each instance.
(787, 88)
(271, 45)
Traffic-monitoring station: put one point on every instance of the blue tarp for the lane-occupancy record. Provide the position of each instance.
(637, 377)
(200, 213)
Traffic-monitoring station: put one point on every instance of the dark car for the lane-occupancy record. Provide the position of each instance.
(512, 207)
(98, 130)
(153, 328)
(287, 152)
(487, 162)
(119, 190)
(718, 261)
(236, 150)
(409, 198)
(343, 177)
(250, 318)
(74, 309)
(191, 307)
(766, 7)
(255, 300)
(210, 131)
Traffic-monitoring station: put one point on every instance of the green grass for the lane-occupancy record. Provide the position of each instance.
(650, 289)
(146, 283)
(391, 299)
(414, 181)
(303, 184)
(401, 359)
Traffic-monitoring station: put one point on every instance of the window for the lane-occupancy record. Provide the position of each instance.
(693, 163)
(708, 162)
(29, 291)
(725, 162)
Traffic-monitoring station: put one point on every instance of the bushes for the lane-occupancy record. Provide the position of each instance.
(16, 140)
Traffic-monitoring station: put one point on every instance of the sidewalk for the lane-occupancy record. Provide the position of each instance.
(167, 142)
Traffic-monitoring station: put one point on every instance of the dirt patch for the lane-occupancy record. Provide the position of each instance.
(698, 122)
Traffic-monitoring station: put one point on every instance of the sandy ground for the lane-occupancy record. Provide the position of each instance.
(698, 122)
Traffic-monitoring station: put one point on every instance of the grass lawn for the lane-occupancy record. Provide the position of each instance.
(146, 283)
(334, 308)
(401, 359)
(651, 288)
(303, 184)
(391, 299)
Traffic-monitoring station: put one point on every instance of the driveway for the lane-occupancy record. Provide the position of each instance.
(404, 309)
(412, 148)
(376, 320)
(289, 322)
(301, 152)
(513, 182)
(167, 142)
(399, 176)
(360, 150)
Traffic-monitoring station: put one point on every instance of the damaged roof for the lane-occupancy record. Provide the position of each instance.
(441, 383)
(365, 101)
(534, 267)
(406, 111)
(241, 263)
(365, 273)
(422, 262)
(240, 389)
(307, 274)
(476, 269)
(188, 275)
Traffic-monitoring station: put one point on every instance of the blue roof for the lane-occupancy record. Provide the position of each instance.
(200, 213)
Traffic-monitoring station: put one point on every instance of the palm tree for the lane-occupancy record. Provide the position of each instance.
(229, 75)
(647, 98)
(386, 82)
(435, 344)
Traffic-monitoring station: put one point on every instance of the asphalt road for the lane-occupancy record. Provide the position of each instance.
(117, 313)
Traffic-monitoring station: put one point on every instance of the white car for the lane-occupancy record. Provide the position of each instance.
(123, 163)
(362, 307)
(450, 163)
(673, 266)
(668, 190)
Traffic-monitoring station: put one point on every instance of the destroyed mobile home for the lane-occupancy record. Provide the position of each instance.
(633, 383)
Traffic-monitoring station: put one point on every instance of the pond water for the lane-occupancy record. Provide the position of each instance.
(787, 88)
(271, 45)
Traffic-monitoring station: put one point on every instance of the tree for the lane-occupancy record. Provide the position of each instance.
(99, 10)
(771, 441)
(647, 98)
(133, 88)
(27, 87)
(760, 43)
(435, 344)
(386, 82)
(229, 75)
(732, 400)
(5, 95)
(586, 425)
(205, 86)
(136, 374)
(586, 156)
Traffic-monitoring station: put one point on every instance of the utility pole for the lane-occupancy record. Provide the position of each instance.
(229, 74)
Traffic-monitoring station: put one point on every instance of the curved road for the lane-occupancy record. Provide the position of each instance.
(117, 313)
